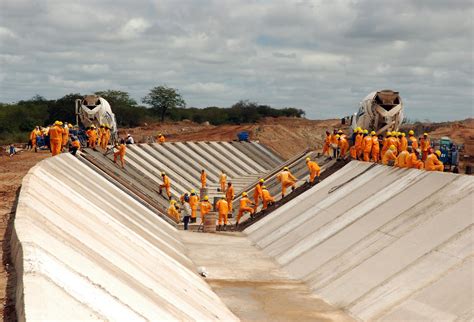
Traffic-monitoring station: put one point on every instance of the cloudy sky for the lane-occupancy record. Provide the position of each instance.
(323, 56)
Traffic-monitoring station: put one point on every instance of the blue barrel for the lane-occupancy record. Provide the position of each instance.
(243, 136)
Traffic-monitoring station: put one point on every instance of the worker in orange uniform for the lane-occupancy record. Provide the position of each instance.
(375, 152)
(403, 142)
(56, 137)
(314, 170)
(244, 207)
(390, 156)
(103, 137)
(121, 150)
(222, 181)
(229, 195)
(257, 194)
(161, 138)
(327, 143)
(343, 147)
(193, 203)
(334, 146)
(268, 200)
(65, 136)
(166, 184)
(107, 136)
(385, 143)
(287, 180)
(100, 133)
(33, 137)
(92, 136)
(412, 159)
(75, 145)
(401, 160)
(367, 146)
(222, 208)
(205, 207)
(203, 179)
(358, 144)
(432, 162)
(173, 212)
(424, 146)
(412, 141)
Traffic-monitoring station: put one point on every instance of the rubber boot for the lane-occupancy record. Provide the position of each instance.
(218, 228)
(225, 227)
(236, 225)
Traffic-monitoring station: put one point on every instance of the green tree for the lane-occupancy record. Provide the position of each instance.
(163, 98)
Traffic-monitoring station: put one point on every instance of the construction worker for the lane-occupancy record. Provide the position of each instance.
(424, 146)
(186, 212)
(75, 145)
(121, 150)
(385, 144)
(173, 212)
(366, 146)
(412, 141)
(390, 156)
(327, 143)
(229, 195)
(33, 137)
(287, 180)
(358, 143)
(205, 207)
(161, 138)
(100, 133)
(184, 197)
(403, 142)
(103, 137)
(244, 207)
(166, 184)
(222, 208)
(222, 181)
(107, 136)
(314, 170)
(375, 152)
(334, 146)
(203, 179)
(65, 136)
(56, 137)
(432, 162)
(343, 147)
(193, 203)
(268, 200)
(401, 160)
(257, 194)
(92, 136)
(412, 159)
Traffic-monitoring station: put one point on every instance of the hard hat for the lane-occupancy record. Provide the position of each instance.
(244, 194)
(411, 132)
(285, 168)
(102, 125)
(425, 134)
(193, 191)
(264, 187)
(373, 133)
(162, 173)
(366, 132)
(338, 136)
(128, 134)
(392, 147)
(56, 123)
(308, 159)
(339, 132)
(262, 181)
(92, 126)
(403, 134)
(173, 201)
(159, 134)
(69, 125)
(438, 152)
(389, 133)
(206, 198)
(222, 197)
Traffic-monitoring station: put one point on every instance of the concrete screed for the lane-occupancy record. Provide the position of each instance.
(390, 244)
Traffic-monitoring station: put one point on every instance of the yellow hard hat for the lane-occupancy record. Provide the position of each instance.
(93, 126)
(425, 134)
(264, 187)
(262, 181)
(373, 133)
(173, 201)
(285, 168)
(56, 123)
(366, 131)
(193, 191)
(338, 136)
(69, 125)
(308, 159)
(392, 147)
(438, 152)
(244, 194)
(389, 133)
(411, 132)
(222, 197)
(339, 132)
(403, 134)
(206, 198)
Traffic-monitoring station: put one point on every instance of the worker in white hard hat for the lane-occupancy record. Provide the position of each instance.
(244, 207)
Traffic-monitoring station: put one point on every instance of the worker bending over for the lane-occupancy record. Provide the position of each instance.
(268, 200)
(193, 203)
(206, 207)
(287, 180)
(203, 179)
(432, 162)
(229, 195)
(222, 181)
(390, 156)
(257, 194)
(222, 208)
(56, 137)
(412, 159)
(343, 147)
(121, 150)
(244, 207)
(314, 170)
(166, 184)
(75, 145)
(173, 212)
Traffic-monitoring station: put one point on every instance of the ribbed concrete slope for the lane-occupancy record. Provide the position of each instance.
(83, 249)
(390, 244)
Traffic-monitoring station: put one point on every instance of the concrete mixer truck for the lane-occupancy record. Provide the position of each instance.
(95, 110)
(380, 111)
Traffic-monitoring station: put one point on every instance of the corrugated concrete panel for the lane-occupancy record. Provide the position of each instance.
(243, 160)
(374, 239)
(262, 158)
(267, 151)
(83, 249)
(213, 172)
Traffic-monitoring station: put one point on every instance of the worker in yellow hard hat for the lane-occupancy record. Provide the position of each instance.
(433, 163)
(375, 152)
(358, 144)
(412, 140)
(425, 146)
(166, 185)
(390, 155)
(205, 207)
(203, 179)
(222, 181)
(121, 150)
(287, 180)
(343, 145)
(268, 200)
(173, 212)
(412, 159)
(92, 136)
(222, 208)
(401, 160)
(327, 143)
(257, 194)
(230, 195)
(366, 146)
(56, 137)
(314, 170)
(193, 203)
(244, 207)
(161, 138)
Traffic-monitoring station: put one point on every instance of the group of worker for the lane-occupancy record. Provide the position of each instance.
(56, 137)
(394, 149)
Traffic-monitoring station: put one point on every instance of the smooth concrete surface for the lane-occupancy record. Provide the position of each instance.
(251, 284)
(380, 242)
(85, 250)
